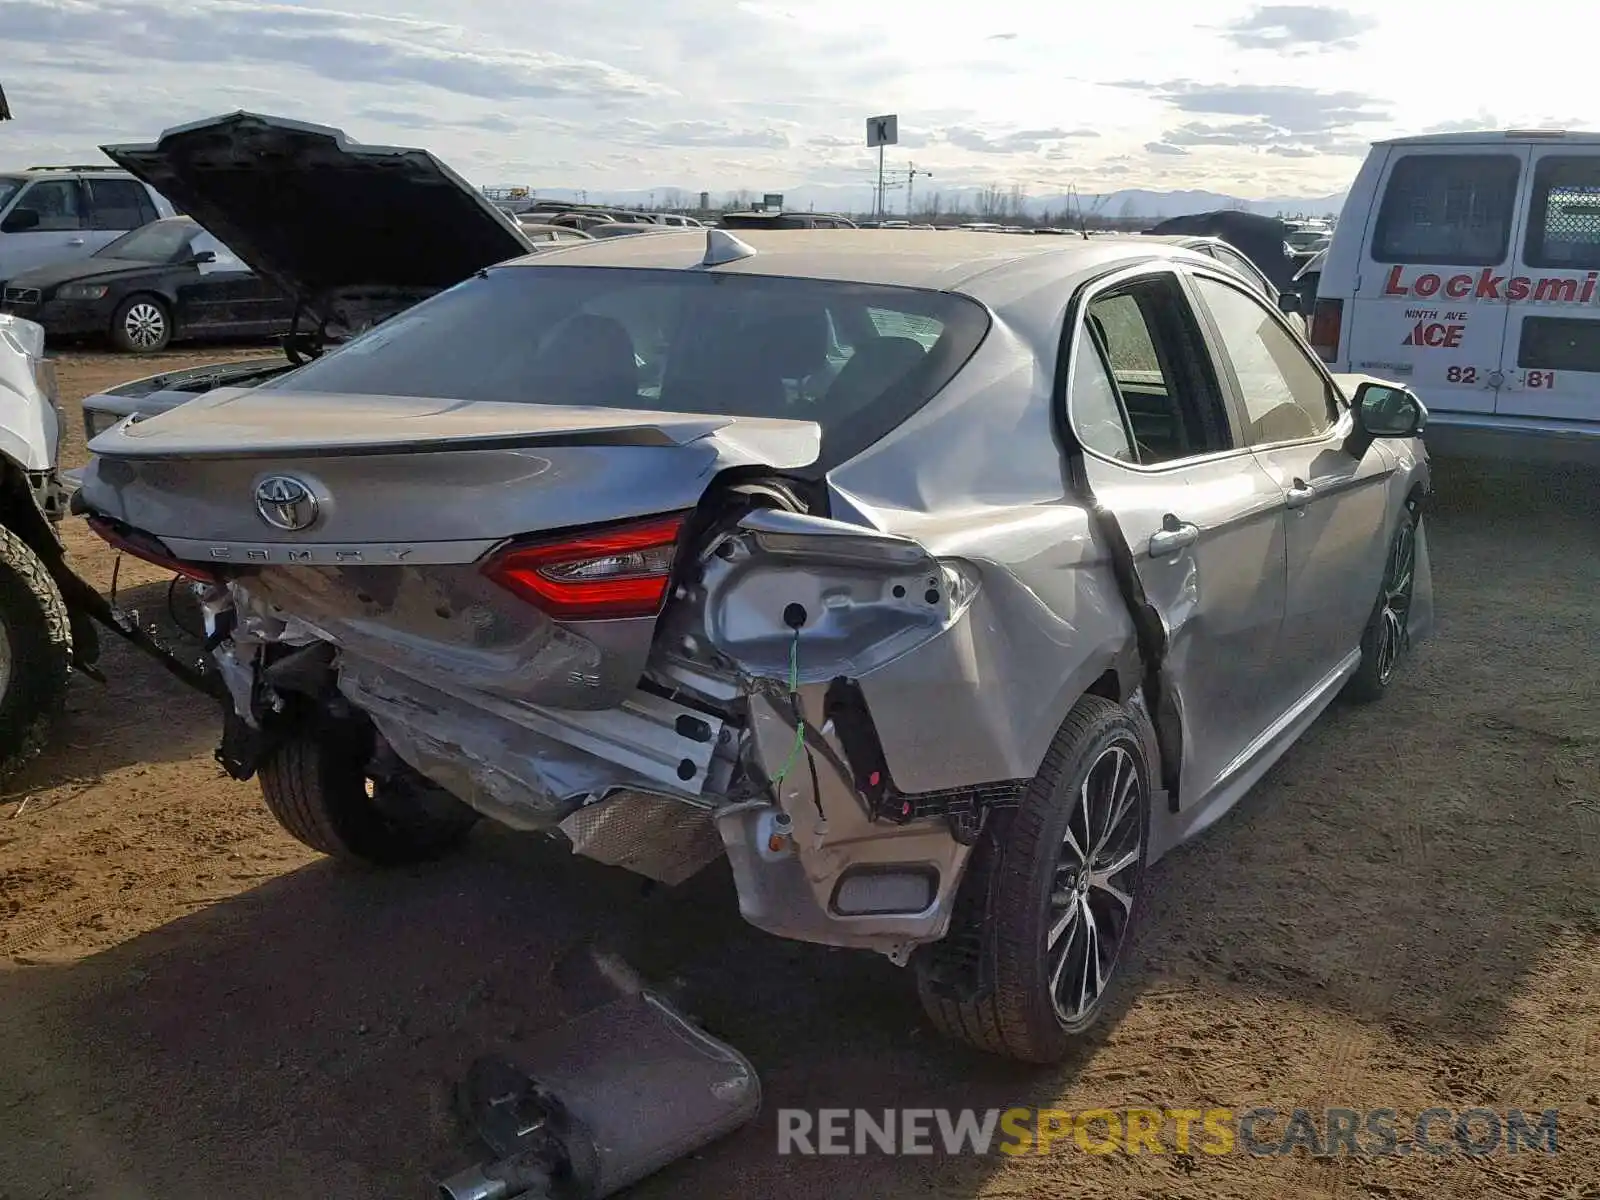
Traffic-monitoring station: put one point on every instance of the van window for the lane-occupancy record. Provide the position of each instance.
(1564, 218)
(1558, 344)
(1448, 210)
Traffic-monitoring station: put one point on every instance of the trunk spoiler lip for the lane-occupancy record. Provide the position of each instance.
(185, 432)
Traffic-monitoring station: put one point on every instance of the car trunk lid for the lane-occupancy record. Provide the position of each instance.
(388, 469)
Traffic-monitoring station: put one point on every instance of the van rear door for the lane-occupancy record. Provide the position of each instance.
(1551, 363)
(1430, 303)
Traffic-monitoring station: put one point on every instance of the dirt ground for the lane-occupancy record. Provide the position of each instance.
(1404, 914)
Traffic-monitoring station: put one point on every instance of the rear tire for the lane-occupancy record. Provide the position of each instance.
(35, 651)
(319, 791)
(1387, 636)
(142, 325)
(1036, 1007)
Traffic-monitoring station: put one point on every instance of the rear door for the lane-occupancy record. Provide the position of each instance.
(1430, 302)
(1200, 515)
(1551, 364)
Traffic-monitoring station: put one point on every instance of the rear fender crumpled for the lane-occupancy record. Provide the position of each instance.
(801, 603)
(924, 635)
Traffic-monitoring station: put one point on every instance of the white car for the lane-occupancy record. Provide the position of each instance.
(57, 214)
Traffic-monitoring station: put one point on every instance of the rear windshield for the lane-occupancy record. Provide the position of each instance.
(157, 242)
(856, 359)
(1448, 210)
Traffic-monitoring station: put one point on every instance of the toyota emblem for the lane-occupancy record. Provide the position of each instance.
(286, 503)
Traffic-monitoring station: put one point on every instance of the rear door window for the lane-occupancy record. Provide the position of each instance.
(1163, 393)
(1448, 210)
(1564, 216)
(119, 204)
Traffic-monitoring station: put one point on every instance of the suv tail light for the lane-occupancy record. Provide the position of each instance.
(1327, 321)
(604, 574)
(147, 548)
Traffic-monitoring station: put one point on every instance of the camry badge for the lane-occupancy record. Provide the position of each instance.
(285, 503)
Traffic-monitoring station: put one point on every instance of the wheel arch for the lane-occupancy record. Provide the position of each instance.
(21, 514)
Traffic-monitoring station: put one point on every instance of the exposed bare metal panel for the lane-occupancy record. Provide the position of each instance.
(658, 837)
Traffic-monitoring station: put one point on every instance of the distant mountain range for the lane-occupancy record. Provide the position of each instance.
(1132, 202)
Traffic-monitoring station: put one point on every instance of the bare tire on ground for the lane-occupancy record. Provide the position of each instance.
(142, 325)
(35, 651)
(319, 791)
(1068, 893)
(1387, 636)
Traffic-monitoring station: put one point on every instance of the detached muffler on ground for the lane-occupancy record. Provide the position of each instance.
(601, 1102)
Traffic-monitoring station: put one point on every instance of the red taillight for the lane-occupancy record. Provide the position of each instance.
(1327, 320)
(147, 548)
(606, 574)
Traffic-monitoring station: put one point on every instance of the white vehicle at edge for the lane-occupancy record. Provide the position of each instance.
(1466, 265)
(41, 625)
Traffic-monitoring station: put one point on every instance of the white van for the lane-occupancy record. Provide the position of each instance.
(1466, 266)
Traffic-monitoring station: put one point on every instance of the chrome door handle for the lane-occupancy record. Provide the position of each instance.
(74, 241)
(1299, 495)
(1174, 537)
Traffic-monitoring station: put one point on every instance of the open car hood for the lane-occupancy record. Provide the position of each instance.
(318, 214)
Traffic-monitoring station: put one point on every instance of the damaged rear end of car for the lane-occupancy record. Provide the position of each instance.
(509, 589)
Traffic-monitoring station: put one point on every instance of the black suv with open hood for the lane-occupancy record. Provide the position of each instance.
(354, 233)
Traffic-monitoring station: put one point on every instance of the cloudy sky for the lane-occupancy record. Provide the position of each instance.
(769, 94)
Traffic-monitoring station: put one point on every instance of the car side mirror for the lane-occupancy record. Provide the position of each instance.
(1289, 303)
(20, 220)
(204, 256)
(1385, 410)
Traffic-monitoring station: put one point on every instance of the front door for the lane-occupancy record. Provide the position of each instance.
(1551, 366)
(1200, 516)
(61, 233)
(1335, 505)
(1430, 303)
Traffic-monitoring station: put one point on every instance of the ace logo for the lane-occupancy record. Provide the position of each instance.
(1434, 333)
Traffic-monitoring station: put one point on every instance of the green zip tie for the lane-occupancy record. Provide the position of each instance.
(800, 728)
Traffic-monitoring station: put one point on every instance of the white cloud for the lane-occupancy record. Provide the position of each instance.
(1253, 99)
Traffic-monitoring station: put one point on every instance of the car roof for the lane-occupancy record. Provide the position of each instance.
(891, 257)
(1495, 136)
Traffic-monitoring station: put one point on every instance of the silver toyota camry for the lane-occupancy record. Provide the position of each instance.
(940, 583)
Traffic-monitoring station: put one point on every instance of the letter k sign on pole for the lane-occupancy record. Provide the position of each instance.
(882, 131)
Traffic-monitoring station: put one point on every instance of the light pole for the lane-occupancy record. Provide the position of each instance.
(911, 179)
